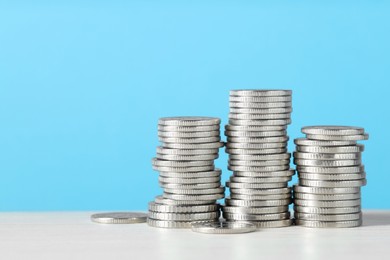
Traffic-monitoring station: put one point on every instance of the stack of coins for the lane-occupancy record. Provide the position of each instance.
(330, 175)
(257, 147)
(185, 162)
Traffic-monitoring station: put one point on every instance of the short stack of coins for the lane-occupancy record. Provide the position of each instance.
(185, 162)
(331, 174)
(257, 147)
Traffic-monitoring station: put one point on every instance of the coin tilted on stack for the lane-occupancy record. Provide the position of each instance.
(331, 174)
(257, 147)
(185, 162)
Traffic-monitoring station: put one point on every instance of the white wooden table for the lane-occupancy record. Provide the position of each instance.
(71, 235)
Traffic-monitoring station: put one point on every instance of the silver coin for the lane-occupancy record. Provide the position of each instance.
(224, 227)
(338, 137)
(164, 163)
(332, 177)
(257, 203)
(188, 134)
(274, 185)
(333, 184)
(280, 156)
(254, 210)
(255, 134)
(169, 151)
(161, 200)
(287, 173)
(183, 175)
(327, 211)
(278, 110)
(331, 150)
(189, 180)
(327, 163)
(184, 216)
(261, 192)
(198, 186)
(327, 204)
(274, 223)
(308, 196)
(259, 105)
(200, 140)
(260, 92)
(259, 116)
(205, 157)
(308, 142)
(259, 163)
(189, 121)
(319, 190)
(257, 128)
(218, 190)
(322, 217)
(333, 130)
(184, 169)
(256, 151)
(258, 140)
(260, 197)
(257, 146)
(259, 180)
(249, 217)
(182, 209)
(170, 224)
(186, 197)
(258, 169)
(327, 156)
(269, 122)
(200, 146)
(321, 224)
(334, 170)
(260, 99)
(119, 217)
(172, 128)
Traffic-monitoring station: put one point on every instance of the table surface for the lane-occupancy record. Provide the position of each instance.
(71, 235)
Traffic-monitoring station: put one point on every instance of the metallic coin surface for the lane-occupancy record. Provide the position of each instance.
(258, 168)
(201, 146)
(327, 156)
(189, 180)
(259, 163)
(162, 200)
(182, 209)
(269, 122)
(327, 163)
(308, 196)
(332, 130)
(332, 177)
(319, 190)
(260, 197)
(334, 170)
(287, 173)
(280, 110)
(269, 151)
(280, 156)
(338, 137)
(246, 104)
(188, 134)
(189, 121)
(198, 186)
(119, 217)
(184, 216)
(323, 224)
(257, 203)
(170, 151)
(183, 175)
(308, 142)
(327, 218)
(255, 134)
(259, 116)
(254, 210)
(260, 99)
(259, 180)
(171, 224)
(327, 204)
(251, 128)
(205, 157)
(260, 92)
(256, 146)
(327, 211)
(172, 128)
(273, 185)
(183, 169)
(224, 227)
(333, 184)
(332, 149)
(261, 192)
(274, 223)
(199, 140)
(252, 217)
(258, 140)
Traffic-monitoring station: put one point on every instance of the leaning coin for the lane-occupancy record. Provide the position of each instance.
(332, 177)
(249, 217)
(218, 191)
(270, 122)
(274, 223)
(184, 175)
(308, 142)
(259, 163)
(172, 128)
(259, 169)
(323, 217)
(308, 196)
(259, 180)
(327, 156)
(259, 116)
(327, 204)
(201, 146)
(260, 99)
(260, 92)
(327, 163)
(257, 203)
(256, 146)
(255, 134)
(287, 173)
(169, 151)
(258, 140)
(187, 157)
(198, 186)
(319, 190)
(274, 185)
(182, 209)
(258, 128)
(256, 151)
(331, 150)
(224, 227)
(189, 180)
(332, 130)
(259, 197)
(184, 216)
(119, 217)
(323, 224)
(334, 170)
(278, 110)
(281, 156)
(161, 200)
(188, 134)
(338, 137)
(184, 169)
(259, 105)
(327, 211)
(189, 121)
(261, 192)
(333, 184)
(200, 140)
(255, 210)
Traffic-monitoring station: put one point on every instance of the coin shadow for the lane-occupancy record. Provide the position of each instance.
(376, 219)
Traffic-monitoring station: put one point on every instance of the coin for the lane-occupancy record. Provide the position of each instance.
(260, 197)
(182, 209)
(327, 204)
(260, 92)
(308, 196)
(119, 217)
(332, 149)
(259, 116)
(170, 151)
(308, 142)
(251, 217)
(188, 134)
(165, 201)
(269, 151)
(189, 121)
(327, 211)
(333, 170)
(322, 224)
(320, 190)
(259, 105)
(199, 140)
(274, 223)
(224, 227)
(184, 175)
(327, 218)
(254, 210)
(189, 180)
(237, 185)
(278, 110)
(270, 122)
(255, 128)
(259, 99)
(259, 163)
(170, 224)
(255, 134)
(254, 180)
(259, 140)
(187, 157)
(287, 173)
(258, 168)
(333, 184)
(198, 186)
(217, 190)
(332, 177)
(280, 156)
(184, 216)
(327, 163)
(201, 146)
(327, 156)
(256, 145)
(184, 168)
(172, 128)
(338, 137)
(332, 130)
(261, 192)
(257, 203)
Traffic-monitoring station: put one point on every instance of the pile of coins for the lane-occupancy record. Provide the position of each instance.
(257, 147)
(330, 171)
(185, 162)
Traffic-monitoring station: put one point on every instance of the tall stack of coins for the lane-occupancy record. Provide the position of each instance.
(185, 162)
(257, 147)
(331, 174)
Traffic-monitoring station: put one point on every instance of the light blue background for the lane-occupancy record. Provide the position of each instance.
(82, 86)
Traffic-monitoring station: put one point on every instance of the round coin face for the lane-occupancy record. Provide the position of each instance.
(333, 130)
(119, 217)
(224, 227)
